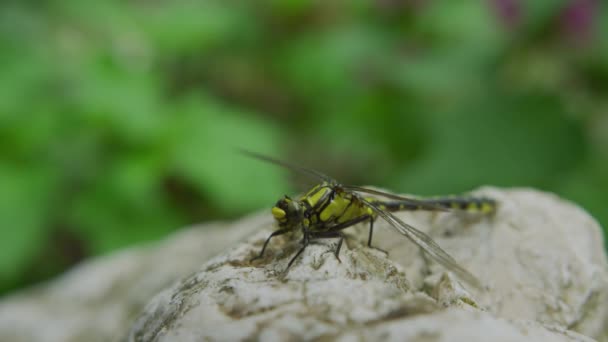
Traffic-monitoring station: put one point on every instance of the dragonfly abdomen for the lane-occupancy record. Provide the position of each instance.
(471, 204)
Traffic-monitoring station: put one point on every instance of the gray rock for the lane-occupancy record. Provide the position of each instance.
(541, 260)
(98, 300)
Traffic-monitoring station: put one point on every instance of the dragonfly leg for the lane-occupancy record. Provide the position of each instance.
(337, 253)
(371, 232)
(331, 234)
(349, 223)
(305, 242)
(354, 221)
(335, 231)
(275, 233)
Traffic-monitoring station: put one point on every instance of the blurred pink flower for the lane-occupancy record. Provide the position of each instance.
(508, 11)
(578, 19)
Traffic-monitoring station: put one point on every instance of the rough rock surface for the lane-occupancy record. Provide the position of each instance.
(540, 258)
(98, 300)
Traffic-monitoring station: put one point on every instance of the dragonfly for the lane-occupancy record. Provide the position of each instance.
(330, 207)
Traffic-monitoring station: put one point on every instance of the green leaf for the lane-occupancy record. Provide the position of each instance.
(204, 152)
(460, 22)
(118, 100)
(326, 64)
(587, 187)
(24, 210)
(186, 26)
(512, 141)
(125, 205)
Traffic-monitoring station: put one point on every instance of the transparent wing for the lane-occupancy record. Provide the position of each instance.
(299, 169)
(426, 243)
(426, 205)
(320, 176)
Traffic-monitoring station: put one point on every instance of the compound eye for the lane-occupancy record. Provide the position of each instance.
(278, 213)
(283, 204)
(292, 207)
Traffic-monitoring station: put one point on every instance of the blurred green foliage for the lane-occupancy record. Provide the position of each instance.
(119, 119)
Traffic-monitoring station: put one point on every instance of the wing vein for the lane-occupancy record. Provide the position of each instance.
(309, 172)
(425, 243)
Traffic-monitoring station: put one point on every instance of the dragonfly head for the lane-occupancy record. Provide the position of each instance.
(287, 212)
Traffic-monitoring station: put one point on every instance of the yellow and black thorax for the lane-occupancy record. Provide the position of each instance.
(320, 209)
(326, 206)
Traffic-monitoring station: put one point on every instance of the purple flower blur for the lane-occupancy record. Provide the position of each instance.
(578, 19)
(508, 11)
